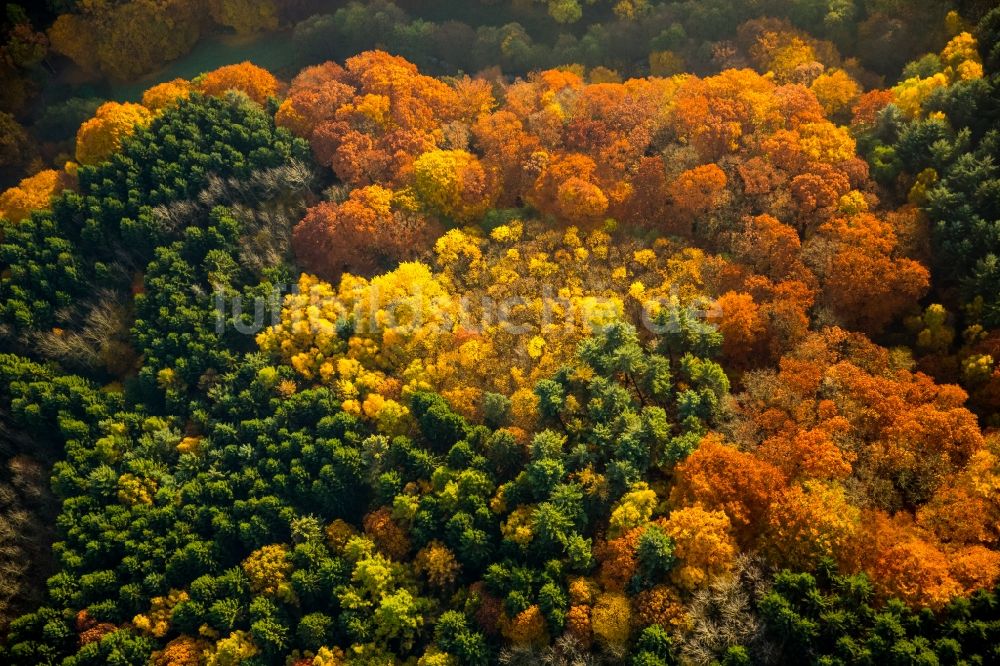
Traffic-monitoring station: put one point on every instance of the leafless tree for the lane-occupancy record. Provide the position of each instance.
(723, 615)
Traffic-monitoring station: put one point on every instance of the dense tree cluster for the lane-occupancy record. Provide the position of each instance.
(931, 140)
(115, 41)
(733, 163)
(382, 368)
(128, 38)
(627, 36)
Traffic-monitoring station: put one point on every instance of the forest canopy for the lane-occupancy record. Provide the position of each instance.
(540, 332)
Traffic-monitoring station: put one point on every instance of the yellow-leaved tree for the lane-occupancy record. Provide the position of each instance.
(255, 82)
(102, 135)
(703, 544)
(165, 94)
(454, 184)
(32, 193)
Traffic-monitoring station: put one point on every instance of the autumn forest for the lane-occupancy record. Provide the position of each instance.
(555, 332)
